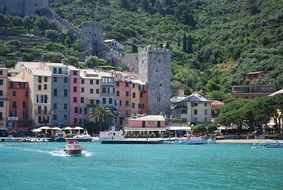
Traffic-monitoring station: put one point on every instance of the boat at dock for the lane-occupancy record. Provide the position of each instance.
(274, 144)
(191, 141)
(116, 137)
(73, 147)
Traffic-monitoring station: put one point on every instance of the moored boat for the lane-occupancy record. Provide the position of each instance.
(191, 141)
(274, 144)
(73, 147)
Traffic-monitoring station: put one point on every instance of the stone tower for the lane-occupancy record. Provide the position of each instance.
(24, 7)
(92, 38)
(154, 68)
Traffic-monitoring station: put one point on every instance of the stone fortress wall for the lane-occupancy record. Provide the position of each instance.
(23, 7)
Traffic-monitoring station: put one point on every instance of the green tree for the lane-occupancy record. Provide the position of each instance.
(101, 115)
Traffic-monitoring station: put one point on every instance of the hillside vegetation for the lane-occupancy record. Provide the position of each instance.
(213, 43)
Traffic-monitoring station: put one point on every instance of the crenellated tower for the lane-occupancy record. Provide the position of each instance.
(154, 68)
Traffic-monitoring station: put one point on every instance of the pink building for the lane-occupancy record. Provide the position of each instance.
(148, 121)
(74, 111)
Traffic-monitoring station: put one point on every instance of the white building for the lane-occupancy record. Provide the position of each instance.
(192, 109)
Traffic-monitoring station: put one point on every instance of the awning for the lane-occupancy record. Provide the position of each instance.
(143, 129)
(178, 128)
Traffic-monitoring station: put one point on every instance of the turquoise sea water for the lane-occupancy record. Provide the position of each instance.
(43, 166)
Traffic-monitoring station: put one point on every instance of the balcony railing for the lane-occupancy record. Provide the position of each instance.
(253, 89)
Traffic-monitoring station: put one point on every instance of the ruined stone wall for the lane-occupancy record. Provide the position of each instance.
(154, 68)
(131, 61)
(23, 7)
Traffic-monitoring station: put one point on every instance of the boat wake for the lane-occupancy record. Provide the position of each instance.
(61, 153)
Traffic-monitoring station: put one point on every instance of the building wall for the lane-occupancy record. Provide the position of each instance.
(107, 91)
(23, 7)
(199, 112)
(74, 97)
(133, 123)
(90, 94)
(42, 100)
(60, 101)
(154, 68)
(3, 96)
(18, 106)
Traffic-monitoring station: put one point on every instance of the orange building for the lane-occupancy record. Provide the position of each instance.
(18, 122)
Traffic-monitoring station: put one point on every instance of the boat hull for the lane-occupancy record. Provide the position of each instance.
(73, 151)
(131, 142)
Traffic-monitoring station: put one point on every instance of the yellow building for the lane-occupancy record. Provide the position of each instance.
(39, 81)
(3, 97)
(90, 92)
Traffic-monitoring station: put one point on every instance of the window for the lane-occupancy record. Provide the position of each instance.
(104, 100)
(54, 106)
(65, 106)
(195, 104)
(60, 70)
(97, 101)
(75, 73)
(134, 85)
(45, 98)
(82, 90)
(97, 82)
(82, 100)
(90, 81)
(39, 87)
(24, 104)
(45, 86)
(127, 93)
(110, 100)
(45, 79)
(205, 119)
(103, 90)
(195, 112)
(14, 93)
(39, 79)
(205, 104)
(134, 95)
(54, 79)
(1, 82)
(65, 117)
(158, 124)
(143, 124)
(39, 119)
(1, 92)
(97, 91)
(54, 117)
(117, 84)
(1, 72)
(1, 104)
(54, 70)
(75, 99)
(127, 84)
(117, 93)
(75, 89)
(120, 103)
(82, 81)
(45, 109)
(76, 110)
(54, 92)
(65, 92)
(39, 109)
(91, 102)
(91, 91)
(127, 103)
(205, 112)
(75, 121)
(14, 104)
(75, 80)
(133, 105)
(65, 79)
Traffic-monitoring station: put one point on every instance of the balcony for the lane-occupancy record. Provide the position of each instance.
(39, 112)
(251, 91)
